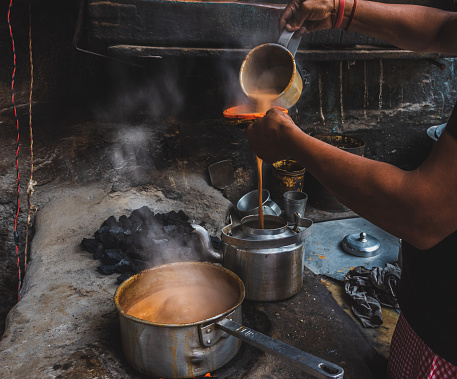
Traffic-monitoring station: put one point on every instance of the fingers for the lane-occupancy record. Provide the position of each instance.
(307, 15)
(288, 15)
(278, 115)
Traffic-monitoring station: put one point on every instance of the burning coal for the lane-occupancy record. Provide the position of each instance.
(132, 244)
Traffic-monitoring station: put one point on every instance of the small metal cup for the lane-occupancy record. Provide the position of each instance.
(294, 202)
(262, 58)
(249, 204)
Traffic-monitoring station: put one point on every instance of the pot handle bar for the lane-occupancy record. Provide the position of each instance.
(311, 364)
(289, 41)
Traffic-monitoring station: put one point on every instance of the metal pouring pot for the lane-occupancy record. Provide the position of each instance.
(277, 59)
(269, 261)
(194, 349)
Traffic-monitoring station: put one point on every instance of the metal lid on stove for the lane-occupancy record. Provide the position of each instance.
(361, 245)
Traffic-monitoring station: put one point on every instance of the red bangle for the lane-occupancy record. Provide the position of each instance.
(351, 16)
(339, 19)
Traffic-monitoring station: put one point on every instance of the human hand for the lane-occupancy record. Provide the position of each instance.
(308, 15)
(268, 137)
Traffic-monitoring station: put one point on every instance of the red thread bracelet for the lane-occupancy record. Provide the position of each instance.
(351, 16)
(339, 19)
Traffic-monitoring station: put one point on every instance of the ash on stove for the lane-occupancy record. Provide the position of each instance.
(143, 240)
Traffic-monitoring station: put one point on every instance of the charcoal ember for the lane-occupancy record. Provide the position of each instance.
(156, 245)
(124, 277)
(125, 222)
(135, 217)
(143, 213)
(169, 229)
(127, 241)
(106, 269)
(160, 218)
(184, 227)
(216, 242)
(99, 252)
(113, 256)
(100, 232)
(183, 216)
(173, 216)
(124, 265)
(136, 221)
(144, 238)
(89, 245)
(117, 229)
(110, 221)
(138, 266)
(137, 253)
(137, 227)
(112, 237)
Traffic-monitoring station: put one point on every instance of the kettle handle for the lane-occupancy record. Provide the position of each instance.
(290, 42)
(302, 222)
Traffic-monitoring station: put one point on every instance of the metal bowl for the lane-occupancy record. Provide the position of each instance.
(248, 205)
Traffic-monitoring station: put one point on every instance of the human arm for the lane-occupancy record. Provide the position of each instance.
(418, 206)
(407, 26)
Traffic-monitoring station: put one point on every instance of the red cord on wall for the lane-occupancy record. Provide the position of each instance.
(18, 186)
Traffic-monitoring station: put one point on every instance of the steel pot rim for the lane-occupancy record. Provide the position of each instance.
(124, 285)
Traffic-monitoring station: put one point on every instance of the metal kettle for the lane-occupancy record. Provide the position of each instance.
(269, 261)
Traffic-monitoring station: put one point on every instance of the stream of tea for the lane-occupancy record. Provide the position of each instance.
(263, 99)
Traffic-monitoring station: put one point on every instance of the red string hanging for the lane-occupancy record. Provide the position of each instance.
(18, 186)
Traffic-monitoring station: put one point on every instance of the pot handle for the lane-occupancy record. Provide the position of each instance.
(304, 361)
(290, 42)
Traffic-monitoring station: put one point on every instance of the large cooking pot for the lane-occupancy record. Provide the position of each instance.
(184, 350)
(269, 261)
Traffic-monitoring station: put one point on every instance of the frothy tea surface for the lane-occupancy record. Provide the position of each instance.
(183, 305)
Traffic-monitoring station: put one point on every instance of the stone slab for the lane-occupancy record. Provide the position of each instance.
(325, 256)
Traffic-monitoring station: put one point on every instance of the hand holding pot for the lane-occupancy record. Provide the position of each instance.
(268, 137)
(308, 15)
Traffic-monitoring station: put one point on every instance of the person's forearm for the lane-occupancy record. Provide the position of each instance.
(412, 27)
(381, 193)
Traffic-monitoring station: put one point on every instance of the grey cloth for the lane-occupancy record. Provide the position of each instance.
(371, 288)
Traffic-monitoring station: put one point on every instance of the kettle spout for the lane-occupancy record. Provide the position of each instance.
(208, 252)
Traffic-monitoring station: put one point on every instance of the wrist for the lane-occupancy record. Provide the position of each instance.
(290, 138)
(340, 9)
(349, 12)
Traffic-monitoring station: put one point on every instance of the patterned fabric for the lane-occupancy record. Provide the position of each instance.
(411, 358)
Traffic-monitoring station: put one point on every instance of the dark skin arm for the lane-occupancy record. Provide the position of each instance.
(412, 27)
(418, 206)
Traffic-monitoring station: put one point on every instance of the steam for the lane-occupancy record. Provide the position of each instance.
(131, 155)
(233, 94)
(153, 93)
(169, 244)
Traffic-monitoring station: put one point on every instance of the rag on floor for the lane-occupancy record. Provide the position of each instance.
(371, 288)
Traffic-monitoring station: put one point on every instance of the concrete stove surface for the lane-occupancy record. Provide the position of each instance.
(66, 326)
(324, 254)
